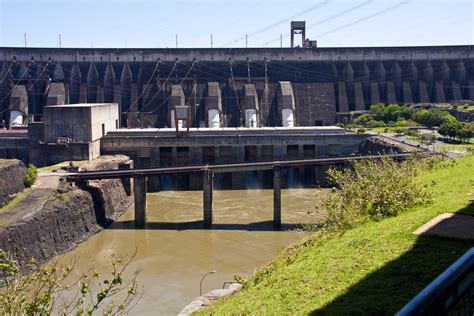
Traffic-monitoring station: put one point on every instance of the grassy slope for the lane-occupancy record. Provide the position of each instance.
(375, 268)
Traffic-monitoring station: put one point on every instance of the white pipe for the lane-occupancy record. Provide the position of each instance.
(288, 120)
(214, 118)
(172, 123)
(16, 119)
(250, 118)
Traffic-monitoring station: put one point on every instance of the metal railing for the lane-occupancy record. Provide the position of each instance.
(451, 293)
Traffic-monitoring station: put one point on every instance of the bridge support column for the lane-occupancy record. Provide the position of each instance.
(207, 185)
(140, 184)
(276, 197)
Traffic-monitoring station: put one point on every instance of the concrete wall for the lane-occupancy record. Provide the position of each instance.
(326, 81)
(79, 122)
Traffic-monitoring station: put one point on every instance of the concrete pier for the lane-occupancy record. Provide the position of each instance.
(140, 188)
(207, 186)
(276, 197)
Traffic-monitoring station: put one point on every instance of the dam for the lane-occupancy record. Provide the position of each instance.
(232, 87)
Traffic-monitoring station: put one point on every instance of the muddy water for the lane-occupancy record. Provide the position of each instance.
(174, 257)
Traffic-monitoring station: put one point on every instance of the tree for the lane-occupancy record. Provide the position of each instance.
(432, 117)
(42, 292)
(450, 129)
(466, 132)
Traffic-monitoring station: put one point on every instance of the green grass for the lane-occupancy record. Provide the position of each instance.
(375, 268)
(463, 146)
(11, 204)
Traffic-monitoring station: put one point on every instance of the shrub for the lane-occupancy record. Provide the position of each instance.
(363, 119)
(412, 132)
(31, 176)
(373, 124)
(400, 123)
(400, 130)
(432, 117)
(44, 291)
(361, 130)
(428, 137)
(372, 190)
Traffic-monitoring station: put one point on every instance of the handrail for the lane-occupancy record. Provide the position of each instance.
(248, 166)
(433, 297)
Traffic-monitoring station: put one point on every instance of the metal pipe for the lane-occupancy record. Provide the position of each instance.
(202, 279)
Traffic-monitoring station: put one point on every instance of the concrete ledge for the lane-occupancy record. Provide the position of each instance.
(449, 225)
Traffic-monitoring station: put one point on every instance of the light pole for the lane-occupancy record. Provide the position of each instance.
(202, 278)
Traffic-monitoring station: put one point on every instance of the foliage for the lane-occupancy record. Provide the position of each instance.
(428, 137)
(44, 291)
(455, 129)
(391, 113)
(31, 176)
(432, 117)
(372, 190)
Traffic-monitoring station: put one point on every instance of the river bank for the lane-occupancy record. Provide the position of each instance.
(371, 269)
(52, 217)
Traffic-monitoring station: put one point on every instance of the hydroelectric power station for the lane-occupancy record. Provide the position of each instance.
(179, 107)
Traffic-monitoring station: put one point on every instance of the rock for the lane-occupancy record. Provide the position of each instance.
(209, 298)
(12, 172)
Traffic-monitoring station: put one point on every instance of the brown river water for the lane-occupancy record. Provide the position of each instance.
(173, 257)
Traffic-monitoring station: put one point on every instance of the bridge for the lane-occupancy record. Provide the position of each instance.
(140, 177)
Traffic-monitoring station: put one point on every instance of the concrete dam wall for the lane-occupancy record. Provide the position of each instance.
(317, 85)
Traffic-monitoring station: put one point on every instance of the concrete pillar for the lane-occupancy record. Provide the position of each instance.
(139, 184)
(207, 197)
(127, 182)
(276, 197)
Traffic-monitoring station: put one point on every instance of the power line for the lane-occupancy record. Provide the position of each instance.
(285, 20)
(365, 18)
(332, 17)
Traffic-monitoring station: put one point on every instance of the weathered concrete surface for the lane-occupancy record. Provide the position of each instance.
(12, 172)
(449, 225)
(382, 145)
(209, 298)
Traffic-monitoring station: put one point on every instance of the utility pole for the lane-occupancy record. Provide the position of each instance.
(59, 40)
(246, 41)
(281, 40)
(25, 38)
(212, 43)
(176, 40)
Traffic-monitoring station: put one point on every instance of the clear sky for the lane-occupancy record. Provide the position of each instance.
(147, 23)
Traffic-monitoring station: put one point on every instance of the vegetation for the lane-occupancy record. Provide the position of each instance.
(372, 190)
(44, 291)
(459, 130)
(374, 268)
(432, 117)
(31, 176)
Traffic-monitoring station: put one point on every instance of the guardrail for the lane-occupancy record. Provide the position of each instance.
(451, 293)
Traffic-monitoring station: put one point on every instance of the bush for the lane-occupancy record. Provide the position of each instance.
(400, 130)
(400, 123)
(412, 132)
(31, 176)
(361, 130)
(373, 124)
(432, 117)
(428, 137)
(363, 119)
(372, 190)
(45, 290)
(391, 112)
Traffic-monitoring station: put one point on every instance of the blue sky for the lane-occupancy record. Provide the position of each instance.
(147, 23)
